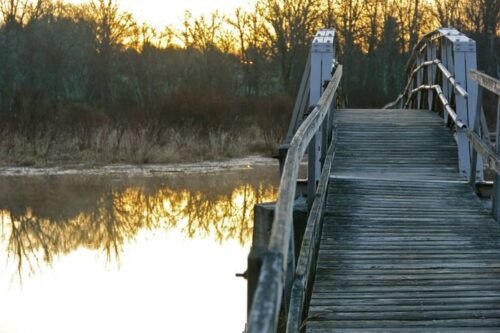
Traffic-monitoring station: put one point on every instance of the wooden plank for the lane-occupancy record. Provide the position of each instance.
(428, 324)
(407, 330)
(362, 308)
(419, 315)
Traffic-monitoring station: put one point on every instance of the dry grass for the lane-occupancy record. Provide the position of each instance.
(143, 144)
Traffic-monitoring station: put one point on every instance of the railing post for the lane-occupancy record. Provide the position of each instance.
(322, 55)
(290, 271)
(473, 161)
(496, 193)
(472, 89)
(420, 81)
(431, 72)
(447, 60)
(464, 59)
(301, 105)
(329, 122)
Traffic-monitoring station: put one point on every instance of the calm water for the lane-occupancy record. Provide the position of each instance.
(127, 254)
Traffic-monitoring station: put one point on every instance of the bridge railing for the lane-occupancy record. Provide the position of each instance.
(437, 80)
(278, 278)
(481, 145)
(441, 73)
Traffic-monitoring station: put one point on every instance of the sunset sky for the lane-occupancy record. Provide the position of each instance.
(160, 13)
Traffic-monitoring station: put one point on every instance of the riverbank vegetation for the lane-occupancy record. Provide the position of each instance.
(88, 83)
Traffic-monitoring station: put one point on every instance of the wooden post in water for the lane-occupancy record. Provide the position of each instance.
(263, 223)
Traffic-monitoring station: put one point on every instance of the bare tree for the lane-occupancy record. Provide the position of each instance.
(111, 29)
(289, 25)
(14, 11)
(374, 20)
(482, 17)
(202, 33)
(447, 12)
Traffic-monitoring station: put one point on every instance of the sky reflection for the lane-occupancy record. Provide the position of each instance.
(127, 255)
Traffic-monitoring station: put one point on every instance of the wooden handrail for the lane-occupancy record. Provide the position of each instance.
(437, 74)
(486, 81)
(267, 299)
(446, 73)
(309, 248)
(442, 98)
(492, 157)
(280, 233)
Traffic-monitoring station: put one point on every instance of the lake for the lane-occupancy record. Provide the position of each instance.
(127, 252)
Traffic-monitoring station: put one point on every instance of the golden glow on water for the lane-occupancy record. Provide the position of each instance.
(128, 258)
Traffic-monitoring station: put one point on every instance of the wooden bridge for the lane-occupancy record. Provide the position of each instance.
(396, 237)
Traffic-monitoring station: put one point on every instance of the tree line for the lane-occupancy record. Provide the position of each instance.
(93, 62)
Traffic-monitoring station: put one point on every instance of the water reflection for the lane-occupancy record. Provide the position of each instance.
(42, 218)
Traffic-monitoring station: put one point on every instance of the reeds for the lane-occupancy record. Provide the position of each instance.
(104, 144)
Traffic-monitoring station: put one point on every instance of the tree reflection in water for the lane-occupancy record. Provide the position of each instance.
(46, 217)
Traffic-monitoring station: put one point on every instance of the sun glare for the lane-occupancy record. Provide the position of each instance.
(160, 13)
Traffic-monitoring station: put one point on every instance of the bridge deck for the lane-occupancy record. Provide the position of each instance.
(406, 246)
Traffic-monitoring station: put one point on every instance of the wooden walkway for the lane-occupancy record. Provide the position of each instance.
(406, 245)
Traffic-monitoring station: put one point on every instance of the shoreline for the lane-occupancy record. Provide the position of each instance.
(145, 170)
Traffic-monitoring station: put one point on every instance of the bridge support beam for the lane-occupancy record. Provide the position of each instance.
(322, 61)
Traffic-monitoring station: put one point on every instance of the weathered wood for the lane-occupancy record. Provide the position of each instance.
(254, 263)
(309, 248)
(286, 193)
(300, 103)
(486, 81)
(496, 190)
(480, 329)
(267, 301)
(406, 245)
(394, 144)
(264, 312)
(414, 68)
(458, 53)
(477, 126)
(491, 158)
(263, 220)
(425, 325)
